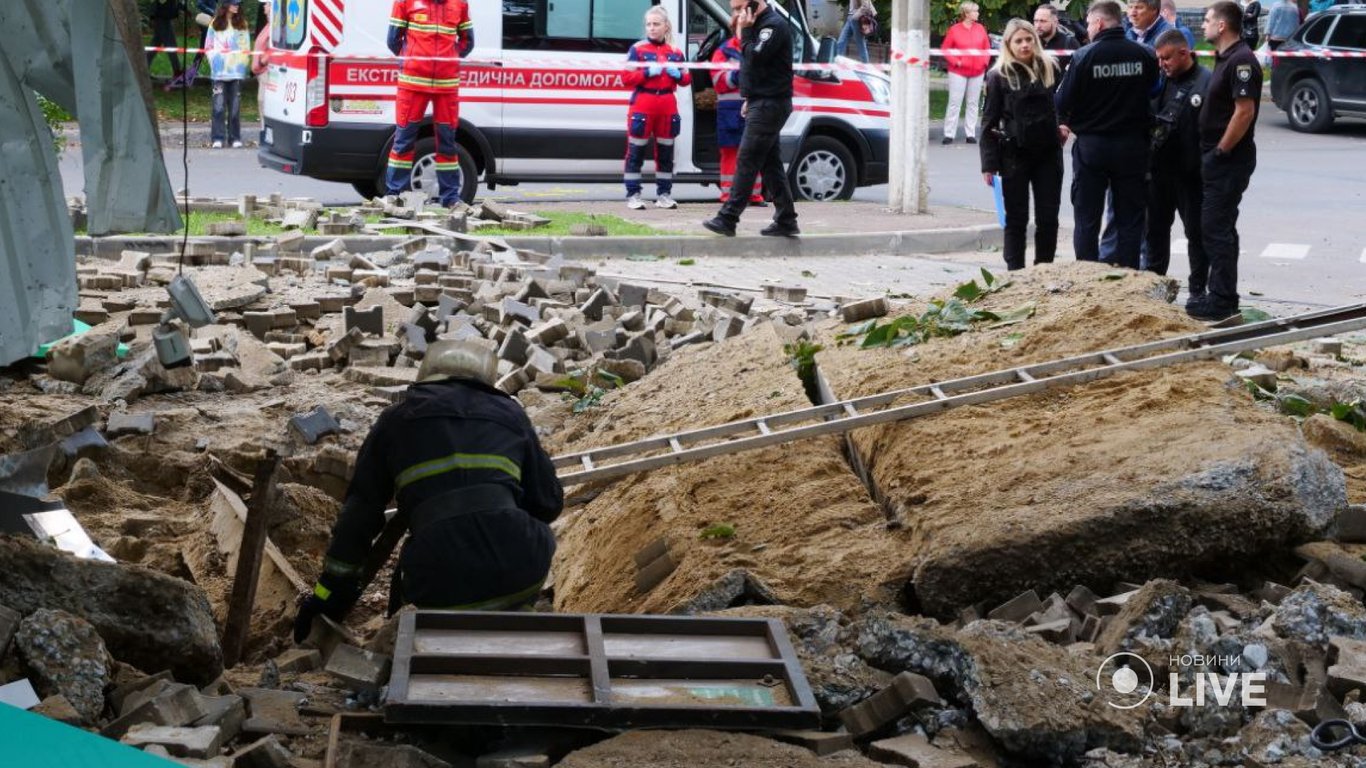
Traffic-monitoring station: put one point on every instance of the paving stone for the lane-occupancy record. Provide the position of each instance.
(361, 670)
(1082, 601)
(1327, 346)
(1260, 375)
(515, 347)
(641, 348)
(369, 321)
(820, 742)
(1348, 670)
(1059, 632)
(77, 359)
(1109, 606)
(228, 712)
(727, 326)
(1091, 627)
(380, 377)
(370, 356)
(341, 349)
(916, 751)
(125, 423)
(231, 228)
(414, 340)
(272, 711)
(549, 333)
(314, 425)
(865, 309)
(299, 660)
(306, 310)
(539, 360)
(266, 752)
(513, 382)
(792, 294)
(1018, 608)
(906, 690)
(597, 301)
(202, 742)
(628, 370)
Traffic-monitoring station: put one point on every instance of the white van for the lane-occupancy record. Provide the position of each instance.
(541, 100)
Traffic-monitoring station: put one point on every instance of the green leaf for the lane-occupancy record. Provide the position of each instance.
(1254, 315)
(1294, 405)
(969, 291)
(987, 278)
(718, 531)
(808, 273)
(1016, 315)
(1011, 340)
(686, 262)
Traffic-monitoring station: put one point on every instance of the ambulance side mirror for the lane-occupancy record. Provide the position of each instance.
(826, 53)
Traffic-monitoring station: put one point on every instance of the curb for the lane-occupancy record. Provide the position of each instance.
(898, 243)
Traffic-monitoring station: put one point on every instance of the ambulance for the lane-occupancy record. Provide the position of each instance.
(542, 98)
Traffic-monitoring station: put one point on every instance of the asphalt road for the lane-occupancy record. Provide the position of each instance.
(1302, 224)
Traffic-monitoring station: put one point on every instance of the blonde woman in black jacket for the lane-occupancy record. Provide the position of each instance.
(1021, 141)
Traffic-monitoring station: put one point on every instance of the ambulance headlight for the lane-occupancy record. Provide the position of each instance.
(879, 86)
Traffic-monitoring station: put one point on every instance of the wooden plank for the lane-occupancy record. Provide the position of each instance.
(493, 641)
(666, 646)
(503, 664)
(597, 659)
(249, 556)
(400, 672)
(498, 620)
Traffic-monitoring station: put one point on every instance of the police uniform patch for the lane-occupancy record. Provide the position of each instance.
(764, 35)
(1244, 72)
(1196, 100)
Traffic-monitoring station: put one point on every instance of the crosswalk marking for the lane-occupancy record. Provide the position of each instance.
(1295, 251)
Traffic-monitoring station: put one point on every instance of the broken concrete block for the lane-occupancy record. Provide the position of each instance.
(369, 321)
(597, 301)
(78, 358)
(792, 294)
(229, 228)
(1348, 671)
(640, 347)
(1018, 608)
(514, 347)
(414, 340)
(291, 241)
(1351, 524)
(631, 295)
(1059, 632)
(510, 310)
(362, 670)
(549, 333)
(822, 743)
(125, 423)
(200, 743)
(627, 370)
(272, 711)
(56, 707)
(334, 249)
(65, 654)
(1082, 601)
(539, 360)
(265, 752)
(299, 660)
(740, 304)
(341, 349)
(1260, 375)
(1327, 346)
(907, 690)
(865, 309)
(228, 712)
(727, 326)
(314, 425)
(916, 751)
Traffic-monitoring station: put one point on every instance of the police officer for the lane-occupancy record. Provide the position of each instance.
(1175, 185)
(1104, 101)
(430, 35)
(472, 483)
(766, 84)
(1227, 122)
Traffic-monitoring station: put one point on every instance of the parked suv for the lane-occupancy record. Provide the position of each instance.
(1313, 91)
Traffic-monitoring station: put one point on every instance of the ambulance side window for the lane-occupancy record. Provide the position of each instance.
(290, 25)
(602, 26)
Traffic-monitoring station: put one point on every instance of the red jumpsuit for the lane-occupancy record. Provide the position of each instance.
(730, 124)
(653, 112)
(431, 35)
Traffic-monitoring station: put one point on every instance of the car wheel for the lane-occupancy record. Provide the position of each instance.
(1308, 107)
(823, 170)
(368, 190)
(424, 171)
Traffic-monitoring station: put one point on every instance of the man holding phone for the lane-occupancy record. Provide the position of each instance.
(766, 84)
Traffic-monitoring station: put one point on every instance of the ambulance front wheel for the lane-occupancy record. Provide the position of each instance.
(424, 170)
(823, 170)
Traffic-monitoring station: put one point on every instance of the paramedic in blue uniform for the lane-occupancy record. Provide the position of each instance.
(1104, 102)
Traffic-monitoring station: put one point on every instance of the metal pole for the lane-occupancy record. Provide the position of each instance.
(909, 187)
(249, 555)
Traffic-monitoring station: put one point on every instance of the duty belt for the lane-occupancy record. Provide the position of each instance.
(462, 501)
(655, 91)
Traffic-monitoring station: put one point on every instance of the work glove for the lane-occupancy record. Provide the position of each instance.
(653, 71)
(332, 597)
(674, 72)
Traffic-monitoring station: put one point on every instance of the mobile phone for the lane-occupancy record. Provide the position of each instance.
(752, 5)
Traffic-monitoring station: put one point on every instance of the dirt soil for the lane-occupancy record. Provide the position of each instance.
(810, 532)
(688, 749)
(986, 478)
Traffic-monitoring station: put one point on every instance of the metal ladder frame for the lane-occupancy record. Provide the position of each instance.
(846, 415)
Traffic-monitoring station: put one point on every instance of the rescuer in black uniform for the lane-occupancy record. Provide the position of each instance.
(473, 483)
(1227, 122)
(1104, 101)
(1176, 186)
(766, 84)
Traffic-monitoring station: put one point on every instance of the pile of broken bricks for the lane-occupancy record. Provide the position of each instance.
(548, 319)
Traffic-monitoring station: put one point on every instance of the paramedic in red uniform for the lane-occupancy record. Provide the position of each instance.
(653, 112)
(430, 35)
(730, 123)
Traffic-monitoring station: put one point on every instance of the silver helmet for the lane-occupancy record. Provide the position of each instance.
(460, 360)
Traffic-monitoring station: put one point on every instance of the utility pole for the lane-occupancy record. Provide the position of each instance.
(909, 188)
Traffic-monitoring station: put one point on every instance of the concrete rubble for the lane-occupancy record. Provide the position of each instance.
(982, 653)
